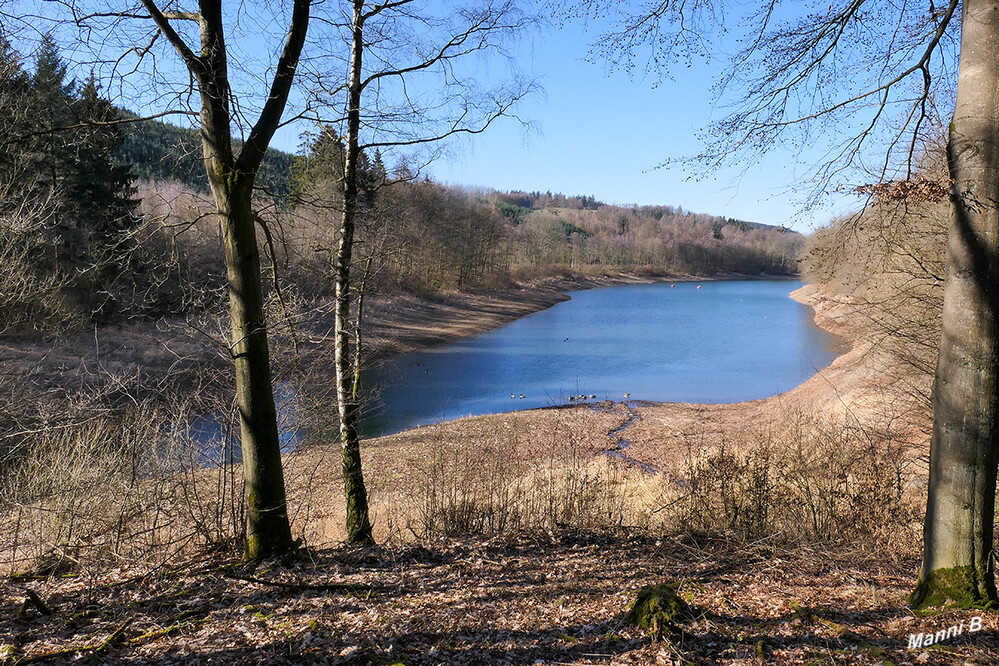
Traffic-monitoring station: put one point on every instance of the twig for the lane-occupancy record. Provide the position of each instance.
(327, 587)
(97, 648)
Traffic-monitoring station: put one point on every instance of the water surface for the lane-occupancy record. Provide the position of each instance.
(722, 342)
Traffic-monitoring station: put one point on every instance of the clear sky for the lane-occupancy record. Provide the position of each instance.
(594, 132)
(604, 133)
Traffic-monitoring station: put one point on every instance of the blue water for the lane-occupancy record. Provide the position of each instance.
(722, 342)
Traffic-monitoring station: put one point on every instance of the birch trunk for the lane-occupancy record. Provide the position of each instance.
(358, 524)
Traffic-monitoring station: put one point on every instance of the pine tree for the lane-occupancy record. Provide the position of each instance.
(51, 107)
(15, 86)
(53, 156)
(73, 148)
(99, 190)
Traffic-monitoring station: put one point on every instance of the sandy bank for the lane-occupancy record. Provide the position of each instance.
(861, 386)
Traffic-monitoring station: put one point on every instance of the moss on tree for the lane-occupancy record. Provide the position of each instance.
(957, 587)
(659, 607)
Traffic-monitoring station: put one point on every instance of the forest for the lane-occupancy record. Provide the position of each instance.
(186, 315)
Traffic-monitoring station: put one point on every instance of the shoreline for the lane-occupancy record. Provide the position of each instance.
(404, 324)
(850, 387)
(659, 436)
(141, 357)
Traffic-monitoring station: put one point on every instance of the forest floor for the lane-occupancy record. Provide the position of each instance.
(548, 599)
(537, 596)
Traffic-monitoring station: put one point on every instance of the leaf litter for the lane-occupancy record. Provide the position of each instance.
(555, 598)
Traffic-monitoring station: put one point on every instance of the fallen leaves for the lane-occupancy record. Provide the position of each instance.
(512, 600)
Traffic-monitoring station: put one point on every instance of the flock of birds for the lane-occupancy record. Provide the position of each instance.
(572, 398)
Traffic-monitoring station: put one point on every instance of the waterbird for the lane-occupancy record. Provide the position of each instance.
(627, 395)
(522, 396)
(592, 396)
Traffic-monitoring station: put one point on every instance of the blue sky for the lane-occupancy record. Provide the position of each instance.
(593, 131)
(603, 133)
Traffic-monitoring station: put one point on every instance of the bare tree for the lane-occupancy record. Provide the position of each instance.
(231, 178)
(870, 74)
(126, 44)
(387, 56)
(960, 513)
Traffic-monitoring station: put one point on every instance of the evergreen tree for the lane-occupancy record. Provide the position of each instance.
(15, 85)
(73, 148)
(100, 191)
(51, 109)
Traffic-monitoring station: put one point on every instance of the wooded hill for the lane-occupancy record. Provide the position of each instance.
(163, 152)
(105, 220)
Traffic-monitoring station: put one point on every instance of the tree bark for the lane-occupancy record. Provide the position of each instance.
(957, 567)
(231, 180)
(358, 524)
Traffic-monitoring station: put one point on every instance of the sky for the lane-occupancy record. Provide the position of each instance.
(592, 131)
(604, 133)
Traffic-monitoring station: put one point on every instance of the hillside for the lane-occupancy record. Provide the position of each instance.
(159, 151)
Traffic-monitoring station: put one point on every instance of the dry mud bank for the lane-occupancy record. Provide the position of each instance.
(861, 387)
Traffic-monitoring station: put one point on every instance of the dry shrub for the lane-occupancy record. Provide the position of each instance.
(31, 292)
(496, 488)
(803, 480)
(135, 486)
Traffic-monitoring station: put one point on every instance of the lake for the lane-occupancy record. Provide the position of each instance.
(725, 341)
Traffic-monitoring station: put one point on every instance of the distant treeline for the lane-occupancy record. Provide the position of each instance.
(108, 220)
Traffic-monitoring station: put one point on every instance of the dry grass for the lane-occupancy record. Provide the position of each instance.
(86, 493)
(794, 478)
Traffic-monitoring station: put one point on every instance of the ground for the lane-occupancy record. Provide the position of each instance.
(542, 594)
(543, 599)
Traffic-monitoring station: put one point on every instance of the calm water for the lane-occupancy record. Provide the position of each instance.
(724, 342)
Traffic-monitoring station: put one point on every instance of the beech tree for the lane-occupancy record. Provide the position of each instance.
(125, 45)
(858, 72)
(231, 178)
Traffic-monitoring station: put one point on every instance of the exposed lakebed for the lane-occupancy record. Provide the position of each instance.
(724, 341)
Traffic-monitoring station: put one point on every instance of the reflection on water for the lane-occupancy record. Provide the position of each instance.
(720, 342)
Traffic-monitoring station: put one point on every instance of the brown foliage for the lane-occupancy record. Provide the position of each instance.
(920, 190)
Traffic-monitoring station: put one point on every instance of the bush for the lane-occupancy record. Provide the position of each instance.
(802, 480)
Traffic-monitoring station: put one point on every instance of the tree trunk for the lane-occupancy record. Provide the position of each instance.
(957, 565)
(267, 527)
(358, 525)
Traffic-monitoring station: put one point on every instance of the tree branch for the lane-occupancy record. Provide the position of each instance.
(270, 117)
(193, 62)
